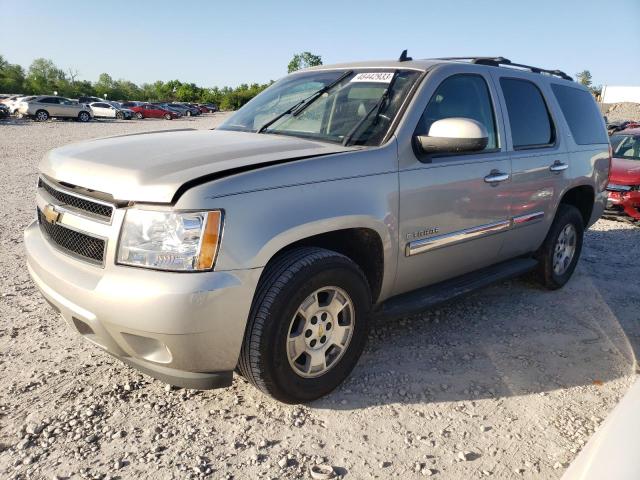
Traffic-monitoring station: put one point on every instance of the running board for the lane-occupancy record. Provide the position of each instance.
(424, 298)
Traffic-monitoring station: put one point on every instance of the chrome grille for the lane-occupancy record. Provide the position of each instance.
(82, 204)
(75, 243)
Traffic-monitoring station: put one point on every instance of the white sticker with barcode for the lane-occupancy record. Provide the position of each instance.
(377, 77)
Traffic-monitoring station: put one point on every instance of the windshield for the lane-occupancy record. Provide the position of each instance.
(354, 109)
(626, 146)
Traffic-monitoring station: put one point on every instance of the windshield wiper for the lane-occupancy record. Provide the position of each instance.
(386, 95)
(296, 109)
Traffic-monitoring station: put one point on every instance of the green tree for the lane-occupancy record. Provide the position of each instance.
(304, 60)
(584, 77)
(11, 77)
(44, 77)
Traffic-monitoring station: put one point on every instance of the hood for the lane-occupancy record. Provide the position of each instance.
(151, 167)
(625, 172)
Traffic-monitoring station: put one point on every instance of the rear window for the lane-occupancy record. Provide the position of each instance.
(529, 118)
(581, 113)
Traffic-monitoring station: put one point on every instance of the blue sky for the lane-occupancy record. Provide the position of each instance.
(228, 43)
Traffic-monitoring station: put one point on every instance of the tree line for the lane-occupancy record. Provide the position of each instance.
(44, 77)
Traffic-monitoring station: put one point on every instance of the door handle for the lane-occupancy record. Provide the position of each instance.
(558, 167)
(496, 176)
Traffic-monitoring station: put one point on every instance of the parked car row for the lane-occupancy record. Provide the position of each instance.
(43, 107)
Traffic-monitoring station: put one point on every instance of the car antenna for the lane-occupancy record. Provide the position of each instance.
(404, 57)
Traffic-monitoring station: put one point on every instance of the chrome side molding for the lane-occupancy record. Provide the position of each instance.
(432, 243)
(426, 244)
(528, 218)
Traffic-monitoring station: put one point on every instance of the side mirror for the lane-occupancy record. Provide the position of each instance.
(453, 135)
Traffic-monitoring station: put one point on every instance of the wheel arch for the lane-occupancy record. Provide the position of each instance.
(362, 245)
(582, 197)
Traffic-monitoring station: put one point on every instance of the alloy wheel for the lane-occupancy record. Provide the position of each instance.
(564, 249)
(320, 332)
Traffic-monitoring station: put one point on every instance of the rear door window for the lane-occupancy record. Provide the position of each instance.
(531, 125)
(582, 114)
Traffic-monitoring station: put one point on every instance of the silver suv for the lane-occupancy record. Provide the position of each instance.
(43, 107)
(340, 194)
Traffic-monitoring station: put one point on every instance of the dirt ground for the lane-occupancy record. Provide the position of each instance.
(509, 382)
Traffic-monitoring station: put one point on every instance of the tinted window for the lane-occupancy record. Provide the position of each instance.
(581, 113)
(461, 96)
(49, 100)
(528, 115)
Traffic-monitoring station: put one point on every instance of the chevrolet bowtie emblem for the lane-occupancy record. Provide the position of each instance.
(50, 214)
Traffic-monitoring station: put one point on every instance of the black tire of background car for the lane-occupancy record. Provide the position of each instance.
(566, 214)
(41, 116)
(285, 283)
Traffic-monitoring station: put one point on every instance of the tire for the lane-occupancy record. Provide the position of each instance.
(119, 115)
(139, 115)
(41, 116)
(84, 117)
(556, 265)
(167, 116)
(286, 283)
(188, 113)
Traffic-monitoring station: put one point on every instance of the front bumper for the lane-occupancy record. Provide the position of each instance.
(185, 329)
(624, 204)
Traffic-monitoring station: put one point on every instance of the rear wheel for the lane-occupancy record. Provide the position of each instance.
(561, 249)
(41, 116)
(307, 326)
(119, 115)
(84, 117)
(167, 116)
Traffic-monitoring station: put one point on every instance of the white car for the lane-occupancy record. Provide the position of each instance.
(106, 110)
(14, 104)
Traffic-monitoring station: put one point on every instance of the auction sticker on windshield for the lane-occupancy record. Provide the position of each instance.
(379, 77)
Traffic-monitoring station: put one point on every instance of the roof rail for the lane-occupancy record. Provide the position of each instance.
(501, 61)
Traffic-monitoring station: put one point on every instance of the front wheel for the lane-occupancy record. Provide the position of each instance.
(167, 116)
(119, 115)
(139, 115)
(307, 326)
(561, 249)
(84, 117)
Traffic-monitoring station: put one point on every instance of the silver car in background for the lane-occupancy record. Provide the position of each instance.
(338, 194)
(43, 107)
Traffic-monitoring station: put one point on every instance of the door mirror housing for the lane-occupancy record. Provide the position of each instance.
(454, 135)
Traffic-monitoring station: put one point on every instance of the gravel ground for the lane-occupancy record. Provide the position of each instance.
(618, 112)
(507, 383)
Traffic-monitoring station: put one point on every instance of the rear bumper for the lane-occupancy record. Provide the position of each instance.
(185, 329)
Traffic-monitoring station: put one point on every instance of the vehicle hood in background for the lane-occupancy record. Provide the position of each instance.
(151, 167)
(625, 172)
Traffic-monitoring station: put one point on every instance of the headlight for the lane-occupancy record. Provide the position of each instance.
(178, 241)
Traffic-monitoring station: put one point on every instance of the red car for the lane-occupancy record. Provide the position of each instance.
(146, 110)
(624, 179)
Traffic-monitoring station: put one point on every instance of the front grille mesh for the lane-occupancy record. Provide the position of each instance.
(76, 243)
(94, 208)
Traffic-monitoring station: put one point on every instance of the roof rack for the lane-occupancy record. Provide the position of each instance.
(501, 61)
